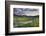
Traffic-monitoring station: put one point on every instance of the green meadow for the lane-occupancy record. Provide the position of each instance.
(26, 21)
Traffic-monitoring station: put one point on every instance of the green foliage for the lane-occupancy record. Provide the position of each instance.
(34, 23)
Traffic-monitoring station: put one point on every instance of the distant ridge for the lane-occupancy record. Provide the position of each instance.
(25, 15)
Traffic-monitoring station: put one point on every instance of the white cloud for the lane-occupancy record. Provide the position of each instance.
(27, 13)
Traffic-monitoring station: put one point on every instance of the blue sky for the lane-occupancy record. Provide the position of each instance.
(26, 11)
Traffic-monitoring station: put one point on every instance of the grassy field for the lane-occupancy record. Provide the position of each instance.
(25, 21)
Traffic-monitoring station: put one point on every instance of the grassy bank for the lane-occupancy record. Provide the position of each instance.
(34, 23)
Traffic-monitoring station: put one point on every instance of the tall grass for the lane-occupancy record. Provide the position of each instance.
(35, 21)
